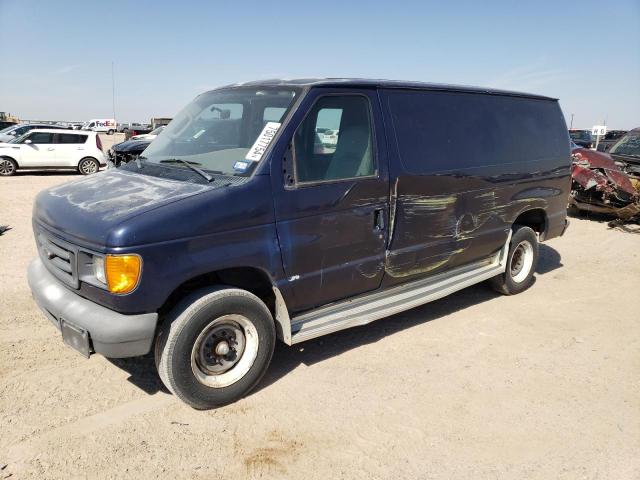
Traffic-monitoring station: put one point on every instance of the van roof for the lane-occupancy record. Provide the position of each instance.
(364, 82)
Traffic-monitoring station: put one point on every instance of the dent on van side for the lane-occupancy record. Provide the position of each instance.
(292, 209)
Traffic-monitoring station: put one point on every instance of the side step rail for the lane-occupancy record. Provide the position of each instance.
(374, 306)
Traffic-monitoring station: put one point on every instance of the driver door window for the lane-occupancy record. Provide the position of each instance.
(40, 138)
(335, 141)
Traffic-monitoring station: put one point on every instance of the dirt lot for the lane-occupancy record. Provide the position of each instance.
(542, 385)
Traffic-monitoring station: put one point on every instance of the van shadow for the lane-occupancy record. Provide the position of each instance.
(143, 373)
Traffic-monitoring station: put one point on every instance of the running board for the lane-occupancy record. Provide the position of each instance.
(374, 306)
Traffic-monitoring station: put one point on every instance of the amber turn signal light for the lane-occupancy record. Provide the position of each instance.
(122, 272)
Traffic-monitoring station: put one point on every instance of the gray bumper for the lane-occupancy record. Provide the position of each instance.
(112, 334)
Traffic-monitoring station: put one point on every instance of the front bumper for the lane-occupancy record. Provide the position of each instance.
(111, 334)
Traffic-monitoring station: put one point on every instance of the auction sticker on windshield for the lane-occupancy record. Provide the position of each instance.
(262, 142)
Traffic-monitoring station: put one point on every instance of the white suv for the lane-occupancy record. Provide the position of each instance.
(48, 148)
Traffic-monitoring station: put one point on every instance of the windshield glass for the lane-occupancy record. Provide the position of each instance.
(628, 145)
(217, 130)
(19, 138)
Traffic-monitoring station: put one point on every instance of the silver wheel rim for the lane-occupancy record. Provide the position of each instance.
(224, 351)
(521, 261)
(6, 167)
(88, 166)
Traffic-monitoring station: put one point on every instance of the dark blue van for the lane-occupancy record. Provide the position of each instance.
(293, 209)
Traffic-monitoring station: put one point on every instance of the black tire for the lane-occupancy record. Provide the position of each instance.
(522, 260)
(8, 166)
(110, 132)
(182, 338)
(88, 166)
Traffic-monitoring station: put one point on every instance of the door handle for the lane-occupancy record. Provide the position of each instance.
(50, 149)
(378, 219)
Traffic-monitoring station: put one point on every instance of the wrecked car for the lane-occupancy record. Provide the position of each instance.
(126, 151)
(608, 183)
(233, 230)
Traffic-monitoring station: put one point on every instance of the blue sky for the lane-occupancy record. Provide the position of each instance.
(57, 54)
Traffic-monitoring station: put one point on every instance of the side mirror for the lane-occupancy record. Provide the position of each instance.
(28, 142)
(12, 133)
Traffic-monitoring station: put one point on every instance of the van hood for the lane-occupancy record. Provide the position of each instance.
(90, 209)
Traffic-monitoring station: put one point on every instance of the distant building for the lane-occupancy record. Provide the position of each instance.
(6, 120)
(158, 122)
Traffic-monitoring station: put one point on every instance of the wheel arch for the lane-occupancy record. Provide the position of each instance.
(11, 158)
(536, 219)
(251, 279)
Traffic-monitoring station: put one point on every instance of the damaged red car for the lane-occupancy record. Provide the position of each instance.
(608, 182)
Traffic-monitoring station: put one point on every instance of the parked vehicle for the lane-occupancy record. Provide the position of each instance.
(15, 131)
(608, 183)
(126, 151)
(4, 125)
(610, 138)
(52, 148)
(103, 125)
(581, 138)
(231, 230)
(133, 128)
(149, 136)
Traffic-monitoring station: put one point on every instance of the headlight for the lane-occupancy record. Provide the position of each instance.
(98, 269)
(122, 272)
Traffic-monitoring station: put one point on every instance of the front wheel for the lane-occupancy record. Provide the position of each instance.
(522, 260)
(215, 346)
(110, 132)
(88, 165)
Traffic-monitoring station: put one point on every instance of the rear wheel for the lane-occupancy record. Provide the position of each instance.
(88, 165)
(7, 167)
(215, 346)
(110, 132)
(522, 260)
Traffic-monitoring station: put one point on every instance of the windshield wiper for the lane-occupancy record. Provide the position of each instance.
(192, 166)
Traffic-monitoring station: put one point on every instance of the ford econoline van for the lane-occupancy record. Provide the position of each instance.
(246, 222)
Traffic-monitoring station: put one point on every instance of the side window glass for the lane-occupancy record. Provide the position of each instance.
(40, 138)
(335, 140)
(65, 138)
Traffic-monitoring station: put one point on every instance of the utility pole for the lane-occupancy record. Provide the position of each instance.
(571, 126)
(113, 91)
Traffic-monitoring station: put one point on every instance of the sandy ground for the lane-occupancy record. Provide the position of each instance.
(543, 385)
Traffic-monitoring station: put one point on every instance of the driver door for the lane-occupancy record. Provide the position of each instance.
(331, 199)
(39, 152)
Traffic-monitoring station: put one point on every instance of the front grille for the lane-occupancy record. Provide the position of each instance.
(58, 256)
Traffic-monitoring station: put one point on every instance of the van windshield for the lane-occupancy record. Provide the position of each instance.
(219, 130)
